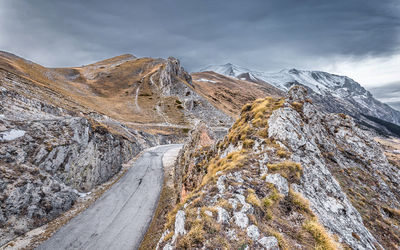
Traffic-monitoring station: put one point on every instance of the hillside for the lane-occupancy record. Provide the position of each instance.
(229, 95)
(64, 132)
(286, 176)
(135, 91)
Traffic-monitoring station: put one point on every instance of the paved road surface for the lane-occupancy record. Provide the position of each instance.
(120, 218)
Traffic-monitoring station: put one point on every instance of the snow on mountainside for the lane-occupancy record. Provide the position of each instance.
(342, 91)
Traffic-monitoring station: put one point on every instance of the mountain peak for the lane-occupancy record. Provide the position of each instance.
(228, 69)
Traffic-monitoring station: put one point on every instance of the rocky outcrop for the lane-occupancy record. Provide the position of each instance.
(188, 175)
(172, 72)
(287, 176)
(175, 81)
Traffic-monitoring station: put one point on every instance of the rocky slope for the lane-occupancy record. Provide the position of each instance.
(50, 155)
(286, 176)
(337, 94)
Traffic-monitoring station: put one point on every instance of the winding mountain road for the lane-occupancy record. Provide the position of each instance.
(120, 218)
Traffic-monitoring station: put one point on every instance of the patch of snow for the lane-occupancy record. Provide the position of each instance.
(233, 202)
(180, 223)
(206, 80)
(221, 184)
(208, 213)
(232, 234)
(223, 216)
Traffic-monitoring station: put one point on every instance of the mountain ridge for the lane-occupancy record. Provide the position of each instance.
(338, 94)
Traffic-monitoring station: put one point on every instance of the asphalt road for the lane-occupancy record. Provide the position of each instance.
(120, 218)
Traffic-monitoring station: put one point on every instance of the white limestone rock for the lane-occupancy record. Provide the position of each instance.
(241, 219)
(269, 243)
(253, 232)
(280, 183)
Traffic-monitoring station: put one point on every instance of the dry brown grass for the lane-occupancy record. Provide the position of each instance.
(288, 169)
(231, 161)
(230, 95)
(299, 201)
(193, 238)
(323, 239)
(253, 199)
(102, 87)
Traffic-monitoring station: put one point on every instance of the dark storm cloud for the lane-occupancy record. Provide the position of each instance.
(262, 34)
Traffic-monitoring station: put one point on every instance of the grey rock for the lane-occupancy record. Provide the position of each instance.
(269, 243)
(241, 219)
(280, 183)
(253, 232)
(223, 215)
(180, 223)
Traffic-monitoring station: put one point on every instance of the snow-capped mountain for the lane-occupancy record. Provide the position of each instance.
(336, 93)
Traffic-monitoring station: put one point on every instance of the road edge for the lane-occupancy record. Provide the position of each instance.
(166, 201)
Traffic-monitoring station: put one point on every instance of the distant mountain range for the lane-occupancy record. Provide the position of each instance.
(337, 94)
(389, 94)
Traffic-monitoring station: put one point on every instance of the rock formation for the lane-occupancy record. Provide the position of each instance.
(287, 176)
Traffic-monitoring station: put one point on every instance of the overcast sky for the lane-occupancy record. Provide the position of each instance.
(357, 38)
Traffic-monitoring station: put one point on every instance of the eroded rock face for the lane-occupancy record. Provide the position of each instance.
(201, 137)
(325, 144)
(175, 81)
(282, 171)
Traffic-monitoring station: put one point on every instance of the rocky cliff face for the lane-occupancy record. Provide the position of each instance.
(286, 176)
(175, 81)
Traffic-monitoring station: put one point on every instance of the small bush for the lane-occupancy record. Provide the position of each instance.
(248, 143)
(297, 106)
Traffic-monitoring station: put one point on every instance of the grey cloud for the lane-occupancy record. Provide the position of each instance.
(262, 34)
